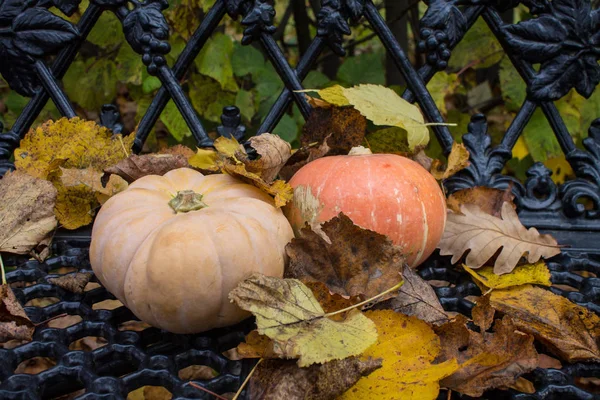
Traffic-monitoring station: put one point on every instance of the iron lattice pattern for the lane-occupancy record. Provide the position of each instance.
(37, 47)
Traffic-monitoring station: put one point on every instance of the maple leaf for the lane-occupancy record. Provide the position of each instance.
(14, 323)
(489, 200)
(135, 167)
(287, 312)
(570, 331)
(537, 273)
(26, 212)
(279, 379)
(408, 347)
(487, 360)
(352, 262)
(457, 160)
(484, 235)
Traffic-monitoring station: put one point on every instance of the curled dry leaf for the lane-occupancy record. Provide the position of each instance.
(489, 200)
(279, 379)
(457, 160)
(537, 274)
(14, 323)
(570, 331)
(484, 235)
(72, 282)
(408, 347)
(303, 156)
(26, 212)
(417, 298)
(287, 312)
(135, 167)
(274, 153)
(340, 128)
(352, 262)
(489, 360)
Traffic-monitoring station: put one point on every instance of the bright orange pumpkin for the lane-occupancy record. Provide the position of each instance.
(386, 193)
(172, 247)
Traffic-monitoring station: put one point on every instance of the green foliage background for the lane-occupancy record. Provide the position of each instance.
(480, 78)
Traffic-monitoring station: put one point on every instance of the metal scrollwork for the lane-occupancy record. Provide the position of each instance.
(540, 191)
(333, 21)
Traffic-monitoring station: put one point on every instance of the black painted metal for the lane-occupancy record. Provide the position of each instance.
(563, 37)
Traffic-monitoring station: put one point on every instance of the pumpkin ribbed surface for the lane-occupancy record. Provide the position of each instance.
(386, 193)
(174, 270)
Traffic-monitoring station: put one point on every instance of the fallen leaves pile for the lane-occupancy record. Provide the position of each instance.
(349, 320)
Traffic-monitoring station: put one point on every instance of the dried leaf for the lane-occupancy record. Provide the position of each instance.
(523, 385)
(549, 362)
(205, 159)
(570, 331)
(72, 282)
(340, 128)
(79, 143)
(287, 312)
(278, 379)
(489, 200)
(274, 153)
(26, 212)
(281, 190)
(488, 360)
(457, 160)
(484, 235)
(483, 313)
(331, 302)
(135, 167)
(178, 150)
(537, 274)
(417, 298)
(14, 323)
(256, 346)
(303, 156)
(228, 147)
(355, 262)
(408, 347)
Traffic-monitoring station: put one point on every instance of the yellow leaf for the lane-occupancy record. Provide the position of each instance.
(520, 149)
(75, 205)
(281, 190)
(332, 95)
(408, 347)
(568, 330)
(206, 159)
(227, 146)
(560, 168)
(537, 274)
(79, 143)
(458, 160)
(287, 312)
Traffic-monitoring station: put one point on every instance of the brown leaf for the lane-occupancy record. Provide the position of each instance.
(72, 282)
(489, 200)
(274, 153)
(14, 323)
(483, 313)
(279, 379)
(26, 212)
(549, 362)
(417, 298)
(280, 190)
(331, 302)
(457, 160)
(303, 156)
(134, 167)
(423, 159)
(341, 128)
(523, 385)
(484, 235)
(488, 360)
(353, 262)
(178, 149)
(570, 331)
(256, 346)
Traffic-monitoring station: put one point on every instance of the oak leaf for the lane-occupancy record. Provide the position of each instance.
(26, 212)
(484, 235)
(279, 379)
(489, 200)
(408, 347)
(416, 297)
(488, 359)
(135, 166)
(570, 331)
(288, 313)
(353, 262)
(14, 323)
(457, 160)
(537, 274)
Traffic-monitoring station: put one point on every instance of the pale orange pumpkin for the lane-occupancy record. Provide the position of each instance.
(172, 247)
(386, 193)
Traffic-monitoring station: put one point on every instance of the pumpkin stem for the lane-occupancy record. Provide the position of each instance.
(187, 200)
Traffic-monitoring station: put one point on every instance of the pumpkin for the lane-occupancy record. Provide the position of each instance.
(172, 247)
(385, 193)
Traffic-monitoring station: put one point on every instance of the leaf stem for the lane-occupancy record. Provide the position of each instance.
(2, 271)
(237, 394)
(123, 146)
(366, 301)
(195, 385)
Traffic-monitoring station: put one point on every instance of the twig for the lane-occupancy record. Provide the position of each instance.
(195, 385)
(366, 301)
(123, 146)
(237, 394)
(51, 319)
(2, 271)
